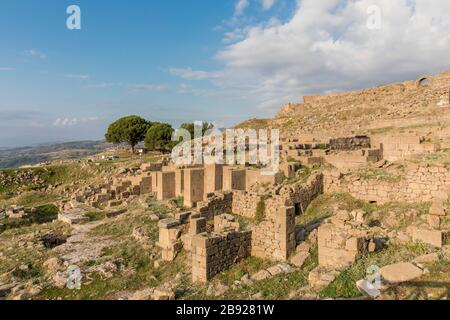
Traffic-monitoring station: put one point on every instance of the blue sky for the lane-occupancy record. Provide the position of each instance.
(119, 63)
(186, 60)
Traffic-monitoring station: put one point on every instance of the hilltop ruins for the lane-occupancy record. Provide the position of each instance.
(339, 143)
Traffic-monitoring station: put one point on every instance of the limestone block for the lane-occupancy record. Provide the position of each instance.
(400, 272)
(432, 237)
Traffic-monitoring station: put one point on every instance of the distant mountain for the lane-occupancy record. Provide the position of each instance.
(17, 157)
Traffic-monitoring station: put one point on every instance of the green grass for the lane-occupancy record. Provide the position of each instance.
(179, 203)
(274, 288)
(378, 174)
(325, 205)
(44, 214)
(128, 255)
(344, 286)
(438, 158)
(15, 253)
(95, 215)
(124, 226)
(301, 176)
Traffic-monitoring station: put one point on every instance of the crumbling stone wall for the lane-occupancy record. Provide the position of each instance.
(402, 147)
(298, 195)
(352, 143)
(353, 159)
(216, 204)
(341, 242)
(116, 191)
(245, 203)
(274, 238)
(213, 253)
(417, 184)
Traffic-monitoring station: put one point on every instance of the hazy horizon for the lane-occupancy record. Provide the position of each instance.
(182, 61)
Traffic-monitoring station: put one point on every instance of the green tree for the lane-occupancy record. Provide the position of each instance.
(191, 127)
(159, 137)
(130, 129)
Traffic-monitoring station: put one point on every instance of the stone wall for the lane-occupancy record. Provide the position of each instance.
(353, 143)
(418, 184)
(402, 147)
(193, 186)
(245, 203)
(353, 159)
(213, 178)
(298, 195)
(341, 243)
(213, 253)
(166, 185)
(233, 179)
(216, 204)
(254, 176)
(274, 238)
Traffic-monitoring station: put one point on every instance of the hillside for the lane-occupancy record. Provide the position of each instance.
(420, 104)
(372, 191)
(16, 157)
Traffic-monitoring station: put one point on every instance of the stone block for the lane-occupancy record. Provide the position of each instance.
(400, 272)
(432, 237)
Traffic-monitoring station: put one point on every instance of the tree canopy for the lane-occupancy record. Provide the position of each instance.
(159, 137)
(130, 129)
(191, 127)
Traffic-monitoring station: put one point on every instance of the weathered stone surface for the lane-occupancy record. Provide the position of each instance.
(217, 289)
(437, 208)
(163, 294)
(299, 259)
(427, 258)
(320, 277)
(261, 275)
(168, 223)
(141, 295)
(401, 272)
(432, 237)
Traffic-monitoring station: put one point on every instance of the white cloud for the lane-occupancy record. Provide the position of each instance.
(148, 87)
(267, 4)
(189, 74)
(240, 7)
(68, 122)
(35, 54)
(65, 122)
(104, 85)
(77, 76)
(326, 46)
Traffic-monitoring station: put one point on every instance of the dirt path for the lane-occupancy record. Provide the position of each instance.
(81, 248)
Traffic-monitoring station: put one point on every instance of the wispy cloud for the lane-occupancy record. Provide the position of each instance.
(240, 7)
(104, 85)
(280, 61)
(35, 54)
(148, 87)
(190, 74)
(77, 76)
(68, 122)
(267, 4)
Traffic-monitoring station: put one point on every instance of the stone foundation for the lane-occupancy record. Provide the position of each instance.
(418, 184)
(340, 243)
(274, 238)
(213, 253)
